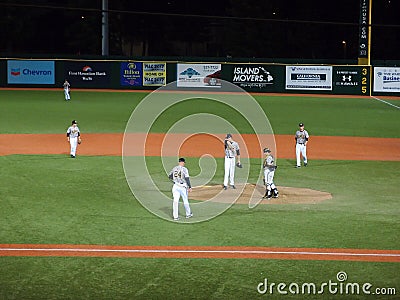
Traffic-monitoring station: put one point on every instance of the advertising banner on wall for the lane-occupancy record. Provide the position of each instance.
(88, 74)
(253, 77)
(199, 75)
(308, 78)
(131, 74)
(363, 29)
(387, 79)
(351, 80)
(154, 73)
(30, 72)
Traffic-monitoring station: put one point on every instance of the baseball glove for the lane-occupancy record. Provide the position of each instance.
(239, 165)
(79, 140)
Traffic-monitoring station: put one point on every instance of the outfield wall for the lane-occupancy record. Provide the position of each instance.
(252, 77)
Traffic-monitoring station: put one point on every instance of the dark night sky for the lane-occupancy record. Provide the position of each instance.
(255, 28)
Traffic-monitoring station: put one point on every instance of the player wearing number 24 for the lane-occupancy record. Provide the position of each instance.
(180, 176)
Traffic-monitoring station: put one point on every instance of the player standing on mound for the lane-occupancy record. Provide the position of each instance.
(232, 151)
(269, 173)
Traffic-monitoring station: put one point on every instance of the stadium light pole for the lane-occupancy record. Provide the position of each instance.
(104, 28)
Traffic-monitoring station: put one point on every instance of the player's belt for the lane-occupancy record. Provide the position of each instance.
(229, 157)
(301, 143)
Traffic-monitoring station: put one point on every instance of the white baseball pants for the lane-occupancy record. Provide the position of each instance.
(229, 171)
(269, 179)
(66, 93)
(177, 192)
(301, 149)
(73, 141)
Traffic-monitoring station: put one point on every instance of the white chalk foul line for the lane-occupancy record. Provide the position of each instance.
(269, 252)
(388, 103)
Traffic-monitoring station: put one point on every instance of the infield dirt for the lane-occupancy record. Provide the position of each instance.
(105, 144)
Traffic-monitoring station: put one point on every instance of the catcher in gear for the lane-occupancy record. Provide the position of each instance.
(269, 173)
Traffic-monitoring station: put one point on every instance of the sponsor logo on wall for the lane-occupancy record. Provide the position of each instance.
(250, 77)
(131, 74)
(347, 78)
(363, 31)
(88, 74)
(154, 74)
(308, 77)
(30, 72)
(199, 75)
(386, 79)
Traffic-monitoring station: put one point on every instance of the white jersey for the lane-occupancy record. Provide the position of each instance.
(66, 86)
(179, 173)
(269, 163)
(73, 131)
(301, 136)
(231, 149)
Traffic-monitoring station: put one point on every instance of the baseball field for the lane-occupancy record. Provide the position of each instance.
(73, 229)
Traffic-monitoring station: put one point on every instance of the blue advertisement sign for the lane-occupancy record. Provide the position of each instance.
(30, 72)
(131, 74)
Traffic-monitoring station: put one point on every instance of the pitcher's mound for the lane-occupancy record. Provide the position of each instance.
(243, 193)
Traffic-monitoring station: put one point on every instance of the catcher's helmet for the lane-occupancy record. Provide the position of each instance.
(266, 150)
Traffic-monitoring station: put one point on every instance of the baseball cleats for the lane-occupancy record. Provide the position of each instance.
(305, 164)
(189, 216)
(297, 166)
(225, 187)
(72, 156)
(234, 187)
(268, 195)
(176, 219)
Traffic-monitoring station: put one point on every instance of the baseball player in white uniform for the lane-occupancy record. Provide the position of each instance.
(232, 151)
(66, 86)
(269, 173)
(301, 137)
(73, 137)
(180, 176)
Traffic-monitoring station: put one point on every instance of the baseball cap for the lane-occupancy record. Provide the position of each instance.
(74, 122)
(228, 135)
(182, 159)
(267, 150)
(301, 124)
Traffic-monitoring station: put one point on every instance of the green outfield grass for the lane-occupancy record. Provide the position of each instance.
(47, 112)
(51, 199)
